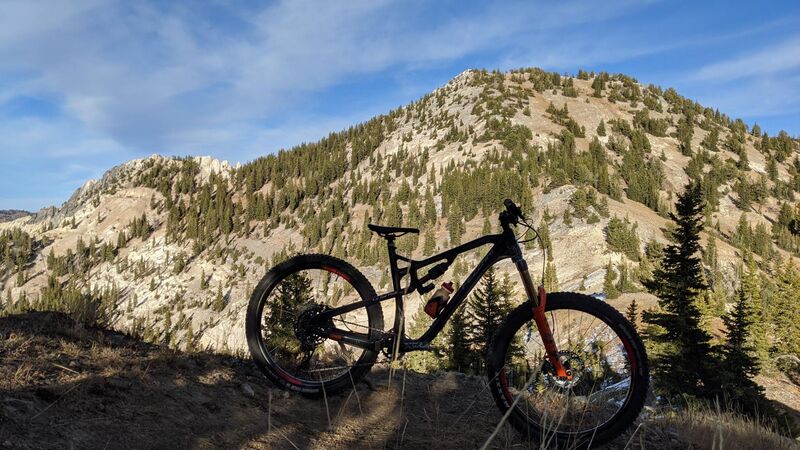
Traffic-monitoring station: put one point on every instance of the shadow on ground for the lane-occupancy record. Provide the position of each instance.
(63, 386)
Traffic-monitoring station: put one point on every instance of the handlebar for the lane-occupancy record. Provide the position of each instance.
(514, 212)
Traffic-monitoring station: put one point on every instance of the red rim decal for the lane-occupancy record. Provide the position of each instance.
(629, 350)
(290, 378)
(504, 385)
(337, 272)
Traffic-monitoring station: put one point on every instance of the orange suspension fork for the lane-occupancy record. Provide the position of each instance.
(547, 335)
(538, 299)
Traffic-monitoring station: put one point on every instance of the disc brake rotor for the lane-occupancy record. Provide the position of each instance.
(572, 363)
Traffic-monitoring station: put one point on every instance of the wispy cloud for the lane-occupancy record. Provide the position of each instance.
(146, 75)
(236, 80)
(770, 60)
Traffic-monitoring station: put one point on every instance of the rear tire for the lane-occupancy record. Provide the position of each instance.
(555, 432)
(255, 328)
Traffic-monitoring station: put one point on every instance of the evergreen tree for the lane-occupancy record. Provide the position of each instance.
(785, 310)
(609, 287)
(682, 360)
(601, 128)
(430, 208)
(489, 305)
(455, 224)
(462, 358)
(625, 284)
(632, 314)
(751, 286)
(739, 361)
(219, 300)
(621, 237)
(685, 130)
(544, 237)
(487, 226)
(292, 293)
(429, 245)
(550, 277)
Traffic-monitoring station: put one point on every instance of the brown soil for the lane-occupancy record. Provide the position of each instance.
(63, 386)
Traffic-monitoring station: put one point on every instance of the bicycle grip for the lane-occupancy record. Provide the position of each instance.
(513, 209)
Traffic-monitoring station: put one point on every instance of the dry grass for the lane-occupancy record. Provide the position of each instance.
(68, 388)
(717, 429)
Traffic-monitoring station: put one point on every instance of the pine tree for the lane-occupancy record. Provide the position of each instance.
(601, 128)
(462, 358)
(785, 310)
(487, 227)
(751, 287)
(544, 237)
(455, 224)
(489, 305)
(609, 287)
(219, 300)
(430, 208)
(739, 361)
(429, 245)
(292, 293)
(550, 277)
(624, 283)
(203, 280)
(632, 314)
(621, 237)
(682, 360)
(685, 130)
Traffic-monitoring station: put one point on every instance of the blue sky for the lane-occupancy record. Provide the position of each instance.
(85, 85)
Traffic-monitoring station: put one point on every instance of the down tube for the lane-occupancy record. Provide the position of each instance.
(492, 257)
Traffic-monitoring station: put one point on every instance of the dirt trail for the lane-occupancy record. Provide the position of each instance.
(62, 386)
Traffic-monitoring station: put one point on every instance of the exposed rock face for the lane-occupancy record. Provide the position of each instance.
(12, 214)
(150, 279)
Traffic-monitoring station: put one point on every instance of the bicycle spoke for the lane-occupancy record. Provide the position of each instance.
(296, 341)
(594, 355)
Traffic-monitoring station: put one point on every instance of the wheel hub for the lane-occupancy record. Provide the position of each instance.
(572, 363)
(308, 328)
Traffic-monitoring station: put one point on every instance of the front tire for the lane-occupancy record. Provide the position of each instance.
(607, 360)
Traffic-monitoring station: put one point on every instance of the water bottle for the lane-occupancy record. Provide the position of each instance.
(436, 304)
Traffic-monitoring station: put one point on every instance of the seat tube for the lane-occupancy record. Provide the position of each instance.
(399, 319)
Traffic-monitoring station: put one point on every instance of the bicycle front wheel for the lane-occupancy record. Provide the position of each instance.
(601, 352)
(290, 345)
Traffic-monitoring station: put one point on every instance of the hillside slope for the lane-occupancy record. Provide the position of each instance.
(170, 248)
(64, 386)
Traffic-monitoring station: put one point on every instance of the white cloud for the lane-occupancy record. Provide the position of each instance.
(147, 75)
(767, 61)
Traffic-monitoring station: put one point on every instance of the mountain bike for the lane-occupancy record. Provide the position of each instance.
(564, 367)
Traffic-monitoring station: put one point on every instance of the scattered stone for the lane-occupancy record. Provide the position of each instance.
(14, 407)
(248, 391)
(119, 383)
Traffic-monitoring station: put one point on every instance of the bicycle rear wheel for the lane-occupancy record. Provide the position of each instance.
(290, 346)
(600, 350)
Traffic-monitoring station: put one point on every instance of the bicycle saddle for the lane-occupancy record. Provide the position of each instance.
(390, 231)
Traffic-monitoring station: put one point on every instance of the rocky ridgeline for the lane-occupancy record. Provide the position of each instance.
(176, 282)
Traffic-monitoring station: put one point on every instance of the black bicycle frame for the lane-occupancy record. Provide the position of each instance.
(504, 245)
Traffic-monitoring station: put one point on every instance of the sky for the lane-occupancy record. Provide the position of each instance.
(86, 85)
